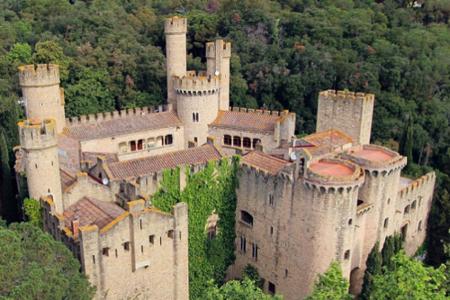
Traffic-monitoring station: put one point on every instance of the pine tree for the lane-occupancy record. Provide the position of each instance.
(373, 267)
(392, 246)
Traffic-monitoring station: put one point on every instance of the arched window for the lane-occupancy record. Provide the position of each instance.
(247, 142)
(413, 204)
(236, 141)
(246, 217)
(419, 226)
(406, 210)
(347, 254)
(227, 139)
(168, 140)
(256, 142)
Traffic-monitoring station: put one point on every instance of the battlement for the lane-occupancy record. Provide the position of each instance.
(417, 184)
(38, 75)
(334, 172)
(347, 95)
(115, 115)
(35, 134)
(261, 111)
(175, 25)
(374, 157)
(196, 85)
(211, 49)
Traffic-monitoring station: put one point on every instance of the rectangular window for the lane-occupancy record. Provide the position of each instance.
(243, 244)
(237, 141)
(151, 239)
(271, 200)
(126, 246)
(170, 234)
(140, 144)
(255, 251)
(133, 145)
(247, 218)
(105, 251)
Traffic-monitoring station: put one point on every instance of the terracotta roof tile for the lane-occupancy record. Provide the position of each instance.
(265, 162)
(89, 211)
(66, 179)
(144, 166)
(326, 141)
(247, 121)
(123, 125)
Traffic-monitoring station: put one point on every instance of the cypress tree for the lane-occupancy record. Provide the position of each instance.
(407, 142)
(373, 267)
(6, 191)
(392, 246)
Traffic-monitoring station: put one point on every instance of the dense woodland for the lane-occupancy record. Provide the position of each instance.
(284, 52)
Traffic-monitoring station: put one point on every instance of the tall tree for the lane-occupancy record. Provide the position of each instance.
(373, 267)
(237, 290)
(331, 285)
(7, 203)
(35, 266)
(392, 245)
(409, 279)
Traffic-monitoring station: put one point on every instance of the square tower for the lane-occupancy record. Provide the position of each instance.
(348, 112)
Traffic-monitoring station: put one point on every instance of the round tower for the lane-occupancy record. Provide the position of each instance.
(41, 92)
(382, 168)
(330, 192)
(175, 29)
(197, 106)
(218, 54)
(39, 140)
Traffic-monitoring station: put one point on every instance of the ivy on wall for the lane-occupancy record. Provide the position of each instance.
(211, 189)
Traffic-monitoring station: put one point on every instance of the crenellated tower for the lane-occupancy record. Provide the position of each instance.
(175, 29)
(218, 54)
(197, 100)
(42, 94)
(39, 141)
(348, 112)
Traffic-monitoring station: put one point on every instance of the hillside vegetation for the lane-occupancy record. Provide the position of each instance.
(284, 52)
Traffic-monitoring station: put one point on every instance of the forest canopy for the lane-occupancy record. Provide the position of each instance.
(284, 52)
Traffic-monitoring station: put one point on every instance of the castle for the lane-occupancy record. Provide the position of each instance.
(301, 202)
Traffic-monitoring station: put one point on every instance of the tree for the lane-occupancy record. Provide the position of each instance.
(373, 267)
(33, 212)
(331, 285)
(35, 266)
(409, 279)
(392, 245)
(7, 205)
(252, 273)
(237, 290)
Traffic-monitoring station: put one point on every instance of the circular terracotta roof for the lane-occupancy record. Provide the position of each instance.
(374, 154)
(331, 168)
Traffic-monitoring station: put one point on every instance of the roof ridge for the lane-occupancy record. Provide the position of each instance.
(95, 204)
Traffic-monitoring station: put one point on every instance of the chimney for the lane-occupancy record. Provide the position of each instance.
(75, 226)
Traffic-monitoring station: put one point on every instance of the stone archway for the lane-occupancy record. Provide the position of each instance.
(356, 280)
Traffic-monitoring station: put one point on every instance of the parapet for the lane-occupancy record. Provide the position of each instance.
(346, 95)
(115, 115)
(374, 157)
(211, 49)
(36, 134)
(262, 111)
(334, 172)
(175, 25)
(38, 75)
(196, 85)
(427, 180)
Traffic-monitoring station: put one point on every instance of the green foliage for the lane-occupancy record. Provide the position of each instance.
(51, 52)
(409, 279)
(252, 273)
(35, 266)
(237, 290)
(19, 54)
(33, 212)
(211, 189)
(373, 267)
(392, 245)
(6, 193)
(331, 285)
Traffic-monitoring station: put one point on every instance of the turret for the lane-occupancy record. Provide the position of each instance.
(39, 141)
(198, 105)
(218, 54)
(348, 112)
(175, 29)
(42, 94)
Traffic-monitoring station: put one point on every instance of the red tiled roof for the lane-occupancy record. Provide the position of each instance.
(326, 141)
(247, 121)
(264, 162)
(123, 125)
(92, 212)
(143, 166)
(66, 179)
